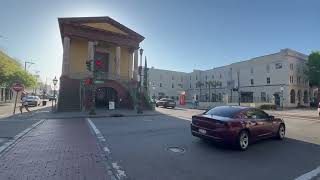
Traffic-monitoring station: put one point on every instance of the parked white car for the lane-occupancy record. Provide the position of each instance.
(33, 101)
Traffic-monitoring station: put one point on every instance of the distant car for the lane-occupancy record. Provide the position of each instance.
(33, 101)
(319, 108)
(166, 102)
(237, 125)
(52, 98)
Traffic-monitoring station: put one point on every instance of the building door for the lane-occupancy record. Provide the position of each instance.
(277, 99)
(105, 95)
(247, 97)
(299, 97)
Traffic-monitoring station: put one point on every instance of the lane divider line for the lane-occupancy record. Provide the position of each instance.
(309, 175)
(6, 146)
(114, 170)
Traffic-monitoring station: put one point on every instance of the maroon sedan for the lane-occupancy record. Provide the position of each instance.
(237, 125)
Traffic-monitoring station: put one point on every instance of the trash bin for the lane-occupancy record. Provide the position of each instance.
(44, 103)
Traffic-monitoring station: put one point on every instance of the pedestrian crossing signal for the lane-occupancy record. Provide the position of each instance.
(88, 64)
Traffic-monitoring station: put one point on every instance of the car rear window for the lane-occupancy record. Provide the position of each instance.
(223, 111)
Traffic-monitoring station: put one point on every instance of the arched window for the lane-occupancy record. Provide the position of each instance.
(305, 96)
(292, 96)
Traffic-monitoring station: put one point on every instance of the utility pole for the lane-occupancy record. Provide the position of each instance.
(239, 93)
(139, 110)
(25, 64)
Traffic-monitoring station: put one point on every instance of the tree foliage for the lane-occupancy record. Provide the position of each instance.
(11, 71)
(314, 68)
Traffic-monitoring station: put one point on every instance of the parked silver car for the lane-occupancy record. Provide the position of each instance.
(33, 101)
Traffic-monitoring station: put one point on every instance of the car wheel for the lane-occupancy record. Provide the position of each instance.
(281, 132)
(157, 105)
(243, 140)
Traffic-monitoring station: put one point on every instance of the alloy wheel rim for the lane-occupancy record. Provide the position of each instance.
(244, 139)
(281, 132)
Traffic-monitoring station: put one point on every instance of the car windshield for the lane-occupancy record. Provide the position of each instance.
(165, 99)
(224, 111)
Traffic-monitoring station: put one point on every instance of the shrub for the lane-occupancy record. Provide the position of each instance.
(268, 106)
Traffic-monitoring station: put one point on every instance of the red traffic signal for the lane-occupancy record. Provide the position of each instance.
(98, 63)
(88, 82)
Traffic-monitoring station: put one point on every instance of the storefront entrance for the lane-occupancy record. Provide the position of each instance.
(104, 95)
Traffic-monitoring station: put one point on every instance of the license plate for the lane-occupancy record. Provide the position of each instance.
(202, 131)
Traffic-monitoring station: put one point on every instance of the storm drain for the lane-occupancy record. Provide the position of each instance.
(176, 149)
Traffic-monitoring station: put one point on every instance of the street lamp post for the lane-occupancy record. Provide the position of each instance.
(139, 110)
(55, 81)
(281, 88)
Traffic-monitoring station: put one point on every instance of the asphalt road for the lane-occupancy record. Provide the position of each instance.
(139, 145)
(10, 128)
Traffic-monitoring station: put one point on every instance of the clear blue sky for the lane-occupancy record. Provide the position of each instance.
(180, 35)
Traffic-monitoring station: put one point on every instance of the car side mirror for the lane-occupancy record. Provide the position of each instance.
(271, 117)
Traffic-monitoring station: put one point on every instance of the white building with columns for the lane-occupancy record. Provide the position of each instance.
(277, 78)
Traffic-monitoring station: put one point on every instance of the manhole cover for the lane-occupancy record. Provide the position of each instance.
(176, 149)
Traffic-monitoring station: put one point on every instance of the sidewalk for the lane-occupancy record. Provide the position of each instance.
(300, 113)
(56, 149)
(46, 113)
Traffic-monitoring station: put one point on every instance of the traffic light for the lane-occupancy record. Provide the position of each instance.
(88, 64)
(88, 81)
(98, 65)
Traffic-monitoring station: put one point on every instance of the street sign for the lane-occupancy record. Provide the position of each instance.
(17, 87)
(98, 81)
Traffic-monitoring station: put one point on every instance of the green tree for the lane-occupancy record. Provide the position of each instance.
(313, 71)
(314, 68)
(210, 84)
(216, 84)
(11, 71)
(200, 84)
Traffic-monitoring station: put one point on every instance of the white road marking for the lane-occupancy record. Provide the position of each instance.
(309, 175)
(96, 130)
(119, 173)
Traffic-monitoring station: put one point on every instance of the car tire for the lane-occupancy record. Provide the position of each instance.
(243, 140)
(157, 105)
(281, 132)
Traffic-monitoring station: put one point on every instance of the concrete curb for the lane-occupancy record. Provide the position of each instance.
(102, 116)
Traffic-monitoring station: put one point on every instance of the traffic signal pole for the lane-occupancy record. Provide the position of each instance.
(91, 50)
